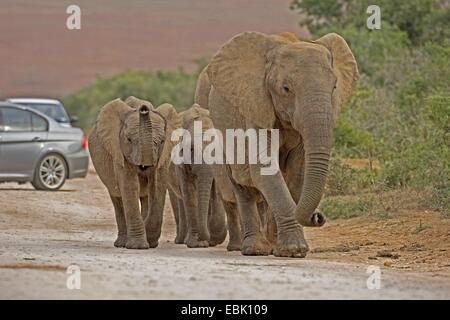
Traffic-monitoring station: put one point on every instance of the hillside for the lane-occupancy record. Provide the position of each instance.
(41, 57)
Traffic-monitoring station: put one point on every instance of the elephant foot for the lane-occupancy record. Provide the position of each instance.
(179, 240)
(139, 242)
(213, 243)
(256, 246)
(193, 242)
(152, 243)
(120, 241)
(234, 246)
(291, 244)
(181, 237)
(217, 239)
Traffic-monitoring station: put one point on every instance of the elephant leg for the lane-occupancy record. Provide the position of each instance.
(254, 243)
(290, 238)
(153, 223)
(190, 209)
(176, 214)
(216, 221)
(190, 202)
(121, 224)
(144, 207)
(269, 226)
(204, 184)
(262, 211)
(129, 188)
(183, 223)
(234, 226)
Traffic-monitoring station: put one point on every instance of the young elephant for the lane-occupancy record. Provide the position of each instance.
(129, 145)
(197, 206)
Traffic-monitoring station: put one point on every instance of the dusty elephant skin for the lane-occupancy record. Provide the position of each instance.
(128, 150)
(197, 207)
(275, 81)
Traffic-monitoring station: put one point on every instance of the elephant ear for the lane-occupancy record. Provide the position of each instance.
(173, 122)
(135, 103)
(195, 112)
(109, 122)
(237, 73)
(199, 110)
(344, 66)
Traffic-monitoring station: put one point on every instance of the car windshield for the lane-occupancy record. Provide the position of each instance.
(55, 111)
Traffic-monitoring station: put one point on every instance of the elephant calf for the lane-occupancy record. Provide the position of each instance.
(129, 146)
(197, 206)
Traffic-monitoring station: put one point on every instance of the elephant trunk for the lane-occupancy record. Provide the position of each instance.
(145, 137)
(204, 179)
(316, 131)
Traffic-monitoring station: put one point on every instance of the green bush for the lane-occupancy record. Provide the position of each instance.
(176, 87)
(400, 112)
(344, 180)
(420, 20)
(440, 200)
(346, 207)
(351, 136)
(374, 48)
(418, 155)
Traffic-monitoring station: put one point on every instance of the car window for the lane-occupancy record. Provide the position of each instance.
(55, 111)
(38, 123)
(1, 121)
(16, 120)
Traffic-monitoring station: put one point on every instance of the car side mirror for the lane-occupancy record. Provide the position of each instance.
(73, 119)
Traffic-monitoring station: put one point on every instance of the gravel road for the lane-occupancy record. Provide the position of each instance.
(41, 234)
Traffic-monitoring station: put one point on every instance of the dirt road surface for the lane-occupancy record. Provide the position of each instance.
(42, 233)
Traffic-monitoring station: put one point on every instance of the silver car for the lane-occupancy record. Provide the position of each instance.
(50, 107)
(36, 148)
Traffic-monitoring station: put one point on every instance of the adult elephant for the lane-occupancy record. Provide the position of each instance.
(129, 145)
(277, 82)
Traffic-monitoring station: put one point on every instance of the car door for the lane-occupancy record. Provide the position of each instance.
(22, 141)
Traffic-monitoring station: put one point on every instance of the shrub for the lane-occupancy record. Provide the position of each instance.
(351, 137)
(400, 113)
(343, 179)
(439, 200)
(346, 207)
(176, 87)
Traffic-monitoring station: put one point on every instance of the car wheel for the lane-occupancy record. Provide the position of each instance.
(50, 173)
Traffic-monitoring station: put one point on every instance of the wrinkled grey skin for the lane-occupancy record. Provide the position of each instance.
(277, 82)
(197, 206)
(127, 147)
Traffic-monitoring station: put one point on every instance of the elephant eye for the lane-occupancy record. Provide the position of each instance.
(286, 89)
(129, 140)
